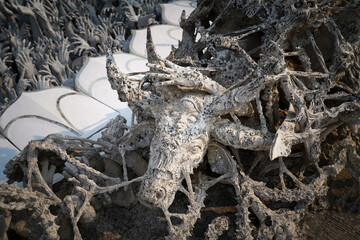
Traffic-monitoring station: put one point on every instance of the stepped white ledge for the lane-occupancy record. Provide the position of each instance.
(34, 115)
(92, 79)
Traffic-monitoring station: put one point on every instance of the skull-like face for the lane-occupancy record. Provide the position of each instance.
(177, 148)
(303, 9)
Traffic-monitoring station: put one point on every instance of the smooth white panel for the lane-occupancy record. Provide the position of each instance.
(24, 130)
(163, 36)
(41, 103)
(171, 12)
(92, 78)
(86, 114)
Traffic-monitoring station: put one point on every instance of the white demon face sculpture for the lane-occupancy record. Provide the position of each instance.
(178, 146)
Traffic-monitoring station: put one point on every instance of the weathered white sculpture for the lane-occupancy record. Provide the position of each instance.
(269, 107)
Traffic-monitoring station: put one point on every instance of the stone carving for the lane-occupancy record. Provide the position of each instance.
(44, 43)
(269, 107)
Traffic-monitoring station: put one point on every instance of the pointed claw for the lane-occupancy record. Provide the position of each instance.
(183, 16)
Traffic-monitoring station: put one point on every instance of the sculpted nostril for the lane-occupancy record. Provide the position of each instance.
(160, 193)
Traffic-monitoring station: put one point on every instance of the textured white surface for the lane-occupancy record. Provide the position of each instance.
(92, 78)
(171, 12)
(163, 36)
(7, 151)
(57, 110)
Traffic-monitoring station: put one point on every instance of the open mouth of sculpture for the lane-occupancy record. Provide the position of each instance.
(153, 198)
(158, 189)
(151, 195)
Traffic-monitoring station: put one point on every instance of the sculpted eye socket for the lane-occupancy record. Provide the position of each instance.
(192, 119)
(195, 149)
(160, 193)
(311, 4)
(298, 4)
(189, 105)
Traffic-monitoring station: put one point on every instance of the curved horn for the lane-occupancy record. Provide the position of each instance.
(114, 73)
(153, 57)
(117, 79)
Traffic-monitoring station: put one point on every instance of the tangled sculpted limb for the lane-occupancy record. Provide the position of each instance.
(269, 106)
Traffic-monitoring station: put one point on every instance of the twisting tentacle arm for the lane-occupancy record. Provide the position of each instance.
(118, 80)
(239, 136)
(231, 100)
